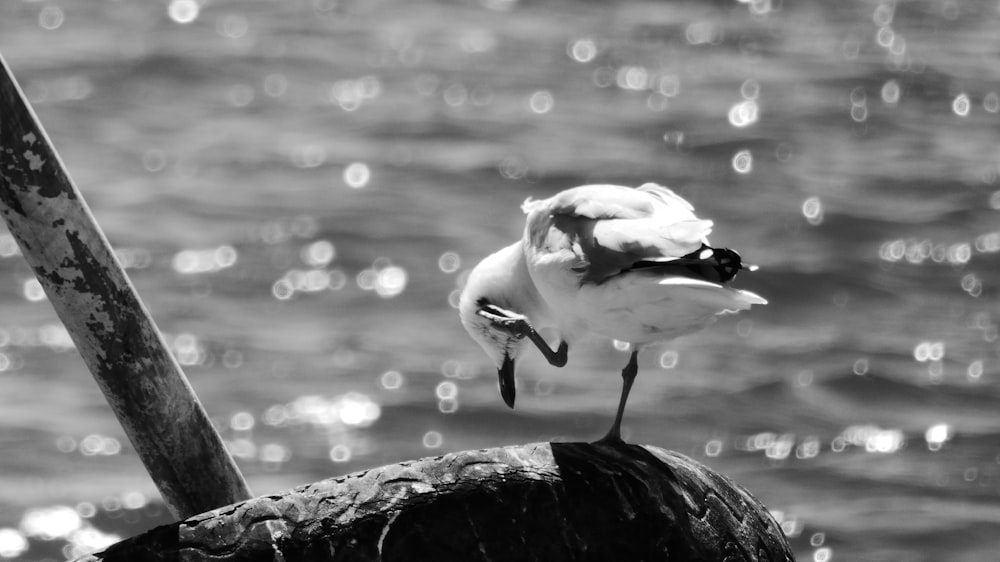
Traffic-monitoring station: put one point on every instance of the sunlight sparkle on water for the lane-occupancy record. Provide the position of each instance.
(449, 262)
(890, 92)
(9, 248)
(789, 523)
(357, 175)
(975, 370)
(50, 523)
(188, 350)
(758, 7)
(823, 554)
(872, 438)
(51, 18)
(812, 210)
(918, 251)
(242, 448)
(632, 78)
(232, 26)
(991, 102)
(972, 285)
(307, 281)
(455, 94)
(275, 85)
(391, 281)
(241, 95)
(669, 359)
(33, 291)
(860, 367)
(743, 162)
(446, 390)
(929, 351)
(241, 421)
(713, 448)
(743, 114)
(352, 409)
(541, 102)
(448, 405)
(358, 410)
(319, 253)
(352, 93)
(859, 104)
(960, 105)
(937, 435)
(808, 448)
(702, 32)
(12, 543)
(340, 453)
(391, 380)
(274, 454)
(154, 160)
(994, 204)
(99, 445)
(134, 258)
(478, 41)
(582, 50)
(212, 260)
(432, 439)
(183, 11)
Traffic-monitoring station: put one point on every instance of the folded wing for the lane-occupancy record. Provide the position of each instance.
(613, 229)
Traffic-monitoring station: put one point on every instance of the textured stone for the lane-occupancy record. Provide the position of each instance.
(538, 502)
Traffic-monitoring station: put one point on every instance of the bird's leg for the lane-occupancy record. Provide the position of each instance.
(518, 326)
(614, 436)
(556, 358)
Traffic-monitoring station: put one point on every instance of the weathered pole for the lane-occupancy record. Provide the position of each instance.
(110, 326)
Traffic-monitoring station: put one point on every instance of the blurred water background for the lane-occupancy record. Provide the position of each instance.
(298, 187)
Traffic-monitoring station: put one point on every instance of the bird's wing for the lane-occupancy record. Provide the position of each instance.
(609, 228)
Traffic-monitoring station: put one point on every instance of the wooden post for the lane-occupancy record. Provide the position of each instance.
(111, 328)
(541, 502)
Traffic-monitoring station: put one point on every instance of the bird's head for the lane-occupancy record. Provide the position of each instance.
(489, 299)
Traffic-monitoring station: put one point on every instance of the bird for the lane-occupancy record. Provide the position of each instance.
(629, 264)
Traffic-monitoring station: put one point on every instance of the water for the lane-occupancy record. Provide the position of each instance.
(298, 187)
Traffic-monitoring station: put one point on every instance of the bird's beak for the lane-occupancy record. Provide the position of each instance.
(506, 374)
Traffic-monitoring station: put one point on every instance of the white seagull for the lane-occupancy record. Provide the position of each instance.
(628, 264)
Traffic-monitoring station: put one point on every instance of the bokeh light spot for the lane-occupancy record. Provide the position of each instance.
(357, 175)
(319, 253)
(541, 102)
(937, 435)
(12, 543)
(812, 210)
(669, 359)
(743, 114)
(183, 11)
(743, 162)
(391, 380)
(582, 50)
(449, 262)
(890, 92)
(340, 453)
(961, 105)
(432, 439)
(51, 18)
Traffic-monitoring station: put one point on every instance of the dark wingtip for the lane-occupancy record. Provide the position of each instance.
(506, 377)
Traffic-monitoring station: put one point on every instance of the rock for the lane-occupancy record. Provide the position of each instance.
(544, 502)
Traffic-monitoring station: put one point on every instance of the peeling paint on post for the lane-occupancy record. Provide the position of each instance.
(110, 326)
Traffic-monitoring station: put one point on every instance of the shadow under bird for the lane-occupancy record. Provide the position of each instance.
(631, 264)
